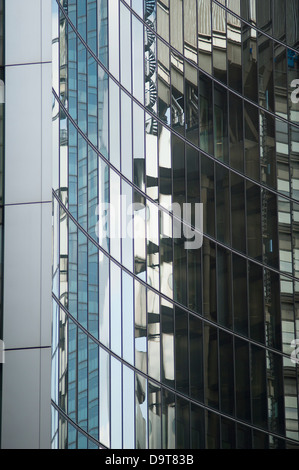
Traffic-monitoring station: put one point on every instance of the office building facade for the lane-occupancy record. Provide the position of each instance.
(162, 111)
(163, 103)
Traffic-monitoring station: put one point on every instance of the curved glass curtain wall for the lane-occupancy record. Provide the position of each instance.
(163, 102)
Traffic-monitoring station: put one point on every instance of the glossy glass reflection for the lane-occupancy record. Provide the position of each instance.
(154, 335)
(232, 144)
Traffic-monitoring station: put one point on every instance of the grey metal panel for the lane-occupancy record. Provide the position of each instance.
(23, 134)
(46, 274)
(22, 276)
(24, 426)
(23, 31)
(46, 135)
(46, 30)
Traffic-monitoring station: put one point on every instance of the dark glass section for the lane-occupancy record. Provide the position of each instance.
(196, 358)
(206, 114)
(240, 298)
(2, 31)
(258, 386)
(260, 440)
(226, 374)
(209, 280)
(182, 424)
(224, 291)
(236, 133)
(211, 369)
(264, 15)
(197, 437)
(234, 49)
(250, 73)
(223, 205)
(192, 104)
(228, 434)
(181, 351)
(251, 136)
(265, 70)
(272, 309)
(208, 194)
(194, 255)
(275, 393)
(242, 374)
(220, 124)
(179, 198)
(238, 218)
(244, 439)
(212, 430)
(254, 221)
(292, 22)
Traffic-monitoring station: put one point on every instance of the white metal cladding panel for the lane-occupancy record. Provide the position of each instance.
(23, 31)
(27, 227)
(27, 275)
(23, 134)
(22, 273)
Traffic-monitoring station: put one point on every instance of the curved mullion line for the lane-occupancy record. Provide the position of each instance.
(285, 44)
(153, 115)
(118, 172)
(76, 426)
(161, 384)
(160, 294)
(170, 214)
(205, 320)
(233, 170)
(244, 98)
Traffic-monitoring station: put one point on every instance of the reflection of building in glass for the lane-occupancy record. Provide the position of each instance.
(172, 102)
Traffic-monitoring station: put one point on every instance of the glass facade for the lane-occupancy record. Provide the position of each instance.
(2, 109)
(160, 104)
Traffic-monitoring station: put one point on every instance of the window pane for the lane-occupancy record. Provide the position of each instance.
(168, 420)
(197, 437)
(224, 291)
(141, 412)
(228, 434)
(154, 416)
(238, 213)
(212, 430)
(242, 380)
(209, 280)
(226, 373)
(167, 343)
(181, 351)
(196, 358)
(211, 366)
(240, 295)
(182, 424)
(259, 395)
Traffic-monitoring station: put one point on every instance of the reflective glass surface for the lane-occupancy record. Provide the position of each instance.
(160, 105)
